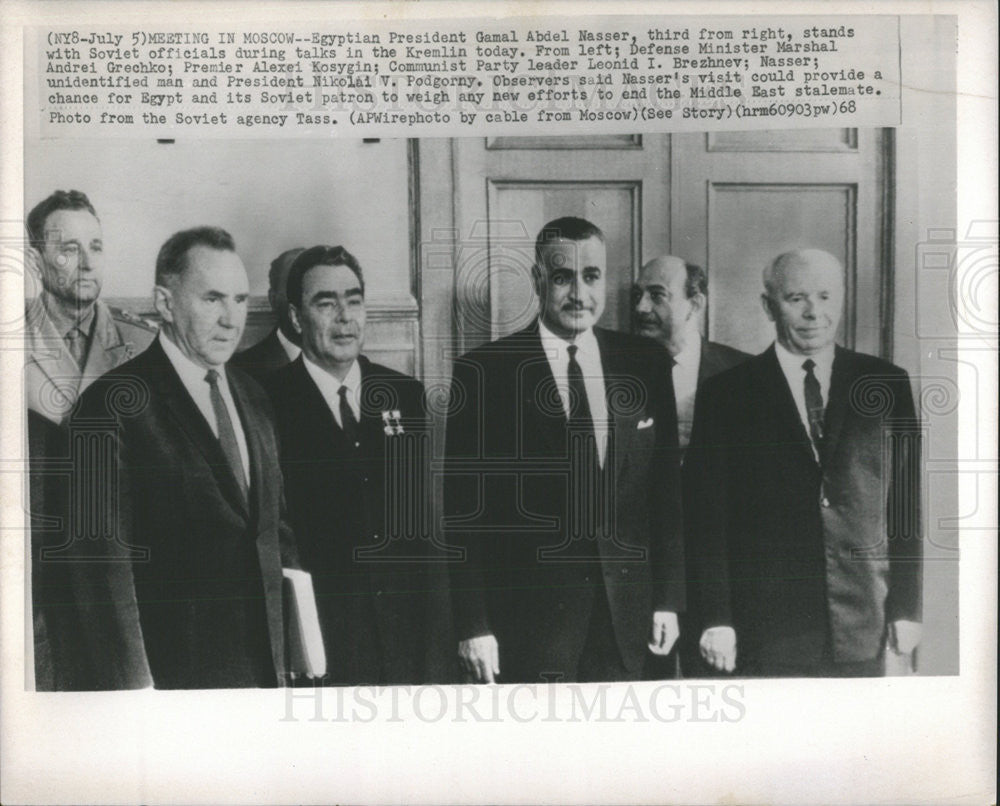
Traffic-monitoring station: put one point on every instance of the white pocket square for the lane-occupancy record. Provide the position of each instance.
(644, 424)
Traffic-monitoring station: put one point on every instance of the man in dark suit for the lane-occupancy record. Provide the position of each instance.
(280, 346)
(562, 486)
(669, 301)
(353, 434)
(803, 480)
(199, 509)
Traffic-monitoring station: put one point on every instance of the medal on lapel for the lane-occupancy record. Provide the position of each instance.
(392, 422)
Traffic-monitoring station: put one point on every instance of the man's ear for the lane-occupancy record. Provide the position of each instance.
(163, 302)
(697, 304)
(536, 279)
(765, 301)
(271, 300)
(293, 317)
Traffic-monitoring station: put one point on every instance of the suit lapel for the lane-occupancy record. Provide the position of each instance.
(107, 349)
(841, 379)
(47, 350)
(253, 428)
(542, 416)
(788, 424)
(316, 417)
(188, 417)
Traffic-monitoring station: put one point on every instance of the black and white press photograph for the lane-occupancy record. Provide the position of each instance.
(637, 428)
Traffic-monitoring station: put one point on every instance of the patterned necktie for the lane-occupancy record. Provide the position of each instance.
(814, 403)
(227, 435)
(347, 420)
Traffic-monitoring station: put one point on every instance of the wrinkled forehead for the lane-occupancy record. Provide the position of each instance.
(214, 269)
(668, 272)
(812, 273)
(69, 225)
(574, 255)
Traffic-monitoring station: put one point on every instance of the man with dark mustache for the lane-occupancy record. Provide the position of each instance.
(562, 486)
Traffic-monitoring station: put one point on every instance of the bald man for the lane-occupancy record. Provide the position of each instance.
(669, 305)
(802, 482)
(669, 301)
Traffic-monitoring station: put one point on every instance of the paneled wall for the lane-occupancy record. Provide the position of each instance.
(270, 196)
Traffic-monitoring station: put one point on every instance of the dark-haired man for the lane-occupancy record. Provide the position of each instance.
(71, 339)
(199, 509)
(353, 434)
(281, 345)
(562, 486)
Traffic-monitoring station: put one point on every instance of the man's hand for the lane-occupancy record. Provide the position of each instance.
(718, 648)
(904, 636)
(665, 632)
(480, 657)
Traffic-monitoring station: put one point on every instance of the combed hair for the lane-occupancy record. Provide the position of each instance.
(565, 229)
(319, 256)
(279, 261)
(172, 258)
(59, 200)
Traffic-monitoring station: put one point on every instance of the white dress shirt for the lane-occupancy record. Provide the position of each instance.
(795, 375)
(685, 378)
(193, 378)
(291, 350)
(588, 356)
(329, 387)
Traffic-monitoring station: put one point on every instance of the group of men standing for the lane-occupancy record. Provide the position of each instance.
(615, 500)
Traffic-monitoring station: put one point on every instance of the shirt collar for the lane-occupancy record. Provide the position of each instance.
(65, 325)
(586, 342)
(191, 373)
(792, 362)
(328, 384)
(291, 349)
(690, 356)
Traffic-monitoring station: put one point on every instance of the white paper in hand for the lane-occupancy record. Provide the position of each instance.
(305, 641)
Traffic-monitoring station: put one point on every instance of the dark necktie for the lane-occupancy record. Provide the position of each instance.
(227, 435)
(347, 420)
(76, 343)
(814, 403)
(579, 407)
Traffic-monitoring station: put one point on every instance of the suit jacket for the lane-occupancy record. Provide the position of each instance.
(715, 358)
(352, 514)
(52, 383)
(52, 379)
(509, 501)
(206, 562)
(263, 358)
(805, 558)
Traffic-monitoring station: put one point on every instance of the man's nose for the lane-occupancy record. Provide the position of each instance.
(643, 305)
(809, 310)
(228, 316)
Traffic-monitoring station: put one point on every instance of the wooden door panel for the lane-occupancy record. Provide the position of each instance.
(748, 225)
(738, 199)
(511, 187)
(527, 207)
